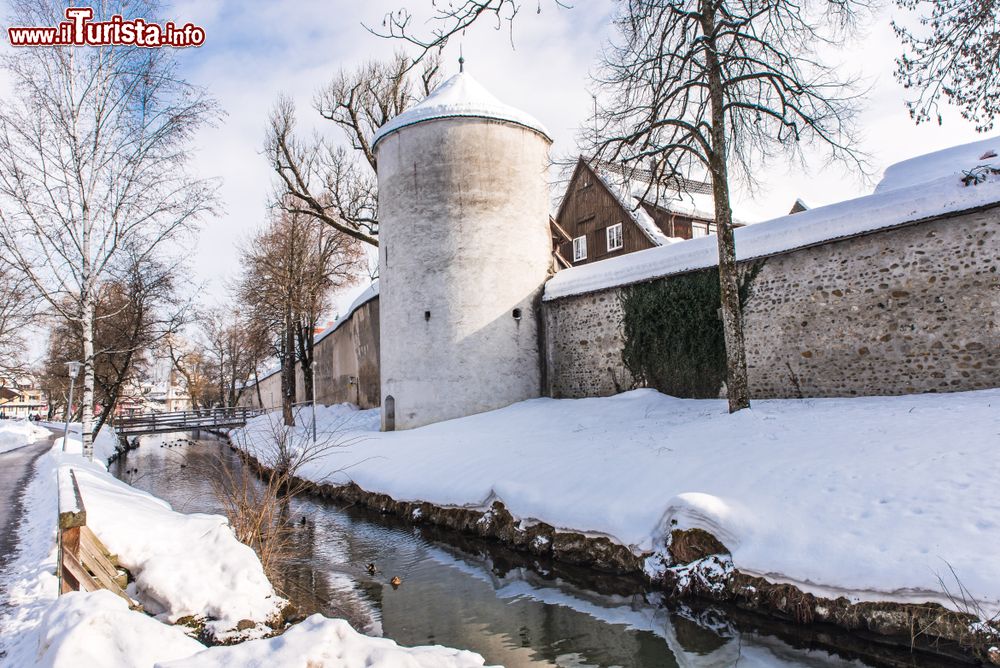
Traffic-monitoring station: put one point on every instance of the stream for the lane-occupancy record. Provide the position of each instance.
(513, 609)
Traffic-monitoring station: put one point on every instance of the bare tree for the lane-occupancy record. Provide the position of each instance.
(133, 313)
(188, 358)
(956, 57)
(17, 314)
(291, 270)
(93, 157)
(233, 349)
(718, 87)
(453, 18)
(324, 180)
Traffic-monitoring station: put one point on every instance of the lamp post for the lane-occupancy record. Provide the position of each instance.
(314, 397)
(74, 369)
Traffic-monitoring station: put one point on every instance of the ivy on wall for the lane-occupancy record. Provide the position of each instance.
(674, 340)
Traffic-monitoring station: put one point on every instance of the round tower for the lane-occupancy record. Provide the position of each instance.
(464, 248)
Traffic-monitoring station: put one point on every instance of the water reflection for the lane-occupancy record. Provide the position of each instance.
(513, 610)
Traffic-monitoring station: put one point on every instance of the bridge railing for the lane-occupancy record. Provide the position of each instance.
(181, 420)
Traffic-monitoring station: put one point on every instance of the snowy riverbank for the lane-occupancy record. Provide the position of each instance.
(875, 499)
(182, 565)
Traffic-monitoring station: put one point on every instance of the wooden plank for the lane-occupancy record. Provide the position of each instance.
(85, 581)
(93, 555)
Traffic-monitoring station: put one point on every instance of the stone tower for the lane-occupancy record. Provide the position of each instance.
(464, 250)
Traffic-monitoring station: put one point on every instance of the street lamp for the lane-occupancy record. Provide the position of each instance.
(314, 400)
(74, 370)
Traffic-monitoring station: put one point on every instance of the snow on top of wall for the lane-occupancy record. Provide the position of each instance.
(368, 294)
(463, 97)
(222, 579)
(948, 164)
(888, 207)
(320, 641)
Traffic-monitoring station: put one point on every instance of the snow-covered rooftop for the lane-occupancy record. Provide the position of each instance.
(916, 189)
(947, 164)
(689, 200)
(625, 194)
(461, 96)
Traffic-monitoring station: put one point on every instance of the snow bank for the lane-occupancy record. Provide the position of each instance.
(19, 433)
(98, 629)
(873, 498)
(105, 442)
(911, 191)
(182, 564)
(328, 643)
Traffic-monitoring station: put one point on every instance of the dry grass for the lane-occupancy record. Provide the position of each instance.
(257, 501)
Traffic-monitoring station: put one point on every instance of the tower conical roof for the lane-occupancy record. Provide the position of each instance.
(461, 96)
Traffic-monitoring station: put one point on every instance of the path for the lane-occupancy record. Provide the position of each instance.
(16, 468)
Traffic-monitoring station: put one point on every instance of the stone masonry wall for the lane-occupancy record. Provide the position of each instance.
(904, 310)
(583, 338)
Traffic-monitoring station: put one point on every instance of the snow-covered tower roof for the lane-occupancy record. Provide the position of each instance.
(461, 96)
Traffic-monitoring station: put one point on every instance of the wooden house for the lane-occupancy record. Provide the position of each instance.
(604, 215)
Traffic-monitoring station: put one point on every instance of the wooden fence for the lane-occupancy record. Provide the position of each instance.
(84, 563)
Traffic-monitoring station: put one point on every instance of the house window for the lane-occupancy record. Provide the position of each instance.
(699, 230)
(711, 228)
(615, 237)
(579, 249)
(585, 181)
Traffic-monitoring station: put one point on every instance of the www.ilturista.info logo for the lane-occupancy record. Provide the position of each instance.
(80, 30)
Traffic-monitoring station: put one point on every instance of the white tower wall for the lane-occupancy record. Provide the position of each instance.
(464, 241)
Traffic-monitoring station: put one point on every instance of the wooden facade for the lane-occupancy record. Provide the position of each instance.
(591, 206)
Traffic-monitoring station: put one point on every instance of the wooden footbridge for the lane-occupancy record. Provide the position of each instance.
(193, 420)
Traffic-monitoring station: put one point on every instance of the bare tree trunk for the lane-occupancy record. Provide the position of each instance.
(256, 384)
(737, 387)
(305, 341)
(87, 405)
(288, 370)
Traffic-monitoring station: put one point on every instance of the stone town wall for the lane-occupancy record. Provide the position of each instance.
(347, 366)
(902, 310)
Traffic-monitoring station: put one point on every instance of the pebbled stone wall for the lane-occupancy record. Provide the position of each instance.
(583, 339)
(903, 310)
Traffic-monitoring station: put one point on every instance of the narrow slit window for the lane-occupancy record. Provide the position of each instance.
(615, 240)
(579, 249)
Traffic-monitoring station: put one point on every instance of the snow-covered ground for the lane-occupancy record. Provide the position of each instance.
(105, 443)
(182, 564)
(875, 498)
(320, 641)
(18, 433)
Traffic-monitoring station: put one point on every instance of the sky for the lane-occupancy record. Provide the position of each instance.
(256, 49)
